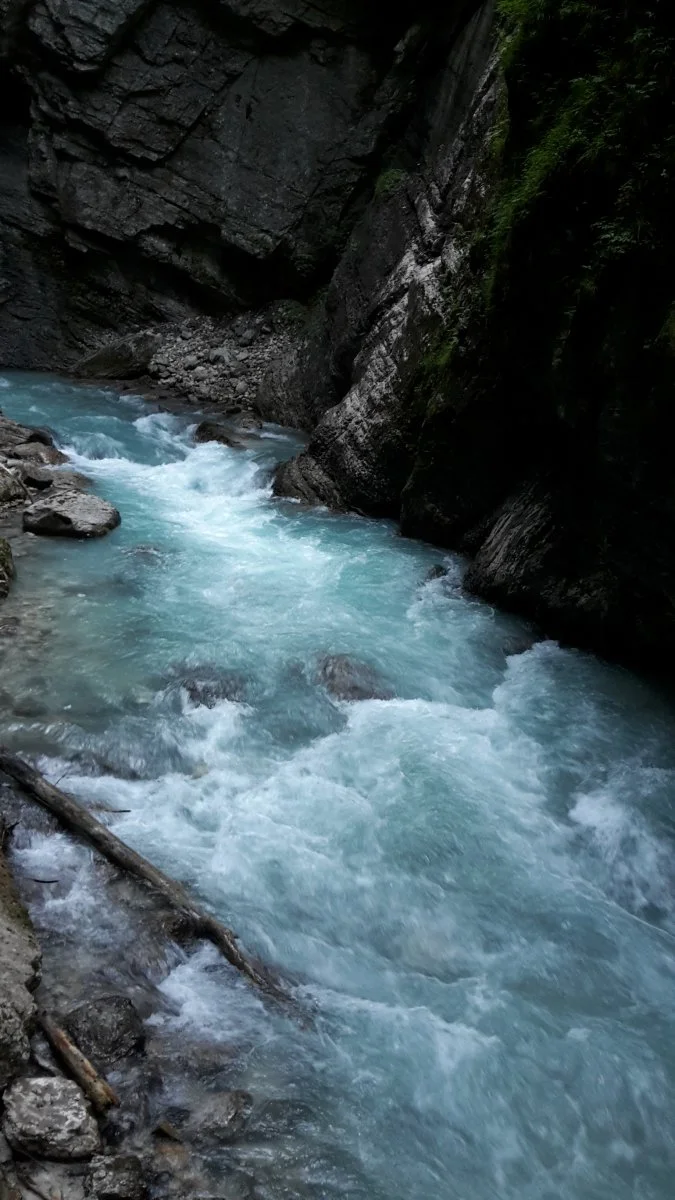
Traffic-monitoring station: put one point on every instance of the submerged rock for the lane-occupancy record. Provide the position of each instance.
(119, 1178)
(221, 1118)
(50, 1118)
(70, 513)
(346, 678)
(106, 1029)
(209, 690)
(211, 431)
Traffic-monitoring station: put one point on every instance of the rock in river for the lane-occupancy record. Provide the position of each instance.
(106, 1029)
(70, 514)
(348, 679)
(119, 1178)
(211, 431)
(50, 1118)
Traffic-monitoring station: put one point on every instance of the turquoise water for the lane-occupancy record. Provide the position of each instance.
(473, 882)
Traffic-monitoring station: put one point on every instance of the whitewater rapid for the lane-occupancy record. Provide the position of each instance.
(471, 882)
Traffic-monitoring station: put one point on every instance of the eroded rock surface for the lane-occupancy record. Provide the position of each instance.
(49, 1118)
(106, 1029)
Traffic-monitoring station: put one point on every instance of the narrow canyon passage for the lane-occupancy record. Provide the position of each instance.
(471, 877)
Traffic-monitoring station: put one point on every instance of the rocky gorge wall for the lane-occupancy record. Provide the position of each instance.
(161, 158)
(472, 213)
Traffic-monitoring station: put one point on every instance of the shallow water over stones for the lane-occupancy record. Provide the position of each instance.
(470, 879)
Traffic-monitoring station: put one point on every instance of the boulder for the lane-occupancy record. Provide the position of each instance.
(106, 1029)
(12, 434)
(38, 452)
(34, 476)
(68, 513)
(124, 358)
(118, 1178)
(346, 678)
(208, 686)
(49, 1118)
(36, 434)
(6, 567)
(211, 431)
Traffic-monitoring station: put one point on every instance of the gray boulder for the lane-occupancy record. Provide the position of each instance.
(119, 1178)
(12, 434)
(106, 1029)
(125, 358)
(346, 678)
(38, 452)
(50, 1118)
(67, 513)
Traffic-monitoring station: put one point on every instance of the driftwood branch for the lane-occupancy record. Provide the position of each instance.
(95, 1088)
(79, 820)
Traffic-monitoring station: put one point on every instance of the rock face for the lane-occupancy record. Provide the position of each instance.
(50, 1118)
(350, 379)
(68, 513)
(162, 156)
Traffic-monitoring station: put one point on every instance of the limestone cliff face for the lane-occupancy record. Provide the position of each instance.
(160, 157)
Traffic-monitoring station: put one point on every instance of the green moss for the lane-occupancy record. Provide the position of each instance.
(389, 182)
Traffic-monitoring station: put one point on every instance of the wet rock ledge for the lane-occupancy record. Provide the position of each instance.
(38, 496)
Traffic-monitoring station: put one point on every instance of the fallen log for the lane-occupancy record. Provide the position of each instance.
(76, 818)
(95, 1088)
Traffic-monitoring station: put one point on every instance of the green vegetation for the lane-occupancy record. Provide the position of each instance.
(557, 352)
(389, 181)
(588, 153)
(576, 253)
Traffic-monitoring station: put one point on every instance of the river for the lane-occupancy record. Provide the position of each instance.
(472, 882)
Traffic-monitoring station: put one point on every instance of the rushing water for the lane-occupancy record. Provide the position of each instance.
(473, 882)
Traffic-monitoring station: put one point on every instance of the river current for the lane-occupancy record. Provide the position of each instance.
(472, 883)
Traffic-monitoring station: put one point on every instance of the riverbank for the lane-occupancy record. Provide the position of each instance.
(106, 992)
(178, 1111)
